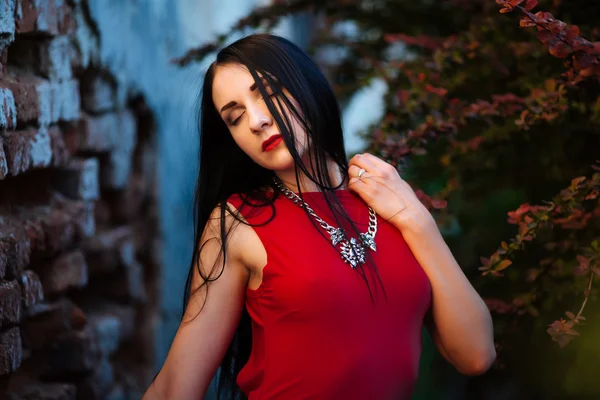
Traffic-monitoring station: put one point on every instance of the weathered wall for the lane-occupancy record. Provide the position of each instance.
(78, 216)
(98, 156)
(138, 40)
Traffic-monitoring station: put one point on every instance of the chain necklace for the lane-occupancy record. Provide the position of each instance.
(353, 250)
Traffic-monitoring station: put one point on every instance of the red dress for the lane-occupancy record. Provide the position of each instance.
(316, 332)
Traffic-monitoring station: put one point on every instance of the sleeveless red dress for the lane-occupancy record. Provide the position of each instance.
(316, 332)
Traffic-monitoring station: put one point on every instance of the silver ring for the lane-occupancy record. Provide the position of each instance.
(362, 171)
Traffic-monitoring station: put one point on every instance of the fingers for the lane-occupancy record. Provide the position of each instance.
(376, 161)
(354, 170)
(362, 162)
(374, 165)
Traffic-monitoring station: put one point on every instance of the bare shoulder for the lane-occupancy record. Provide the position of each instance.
(242, 242)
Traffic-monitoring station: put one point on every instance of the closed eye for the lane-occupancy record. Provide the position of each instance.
(235, 121)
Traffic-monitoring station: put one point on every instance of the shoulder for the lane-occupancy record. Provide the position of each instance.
(228, 225)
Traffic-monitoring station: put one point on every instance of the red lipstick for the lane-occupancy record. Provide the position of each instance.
(272, 142)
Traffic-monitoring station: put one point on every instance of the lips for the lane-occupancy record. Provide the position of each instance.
(271, 142)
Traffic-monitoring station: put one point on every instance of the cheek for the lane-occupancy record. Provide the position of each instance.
(243, 142)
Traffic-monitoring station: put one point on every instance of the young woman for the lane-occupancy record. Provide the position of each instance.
(312, 275)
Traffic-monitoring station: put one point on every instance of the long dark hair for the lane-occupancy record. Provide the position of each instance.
(226, 170)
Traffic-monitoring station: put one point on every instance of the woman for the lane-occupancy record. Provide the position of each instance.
(312, 276)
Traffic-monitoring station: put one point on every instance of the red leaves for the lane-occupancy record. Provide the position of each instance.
(439, 91)
(430, 203)
(558, 48)
(427, 42)
(572, 32)
(520, 214)
(526, 22)
(567, 211)
(583, 267)
(562, 330)
(509, 5)
(562, 40)
(582, 60)
(530, 4)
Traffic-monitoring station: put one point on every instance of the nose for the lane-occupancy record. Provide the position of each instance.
(259, 119)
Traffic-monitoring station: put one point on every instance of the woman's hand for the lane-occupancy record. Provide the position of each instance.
(392, 198)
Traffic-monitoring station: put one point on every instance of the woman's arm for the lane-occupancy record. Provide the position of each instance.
(205, 333)
(460, 323)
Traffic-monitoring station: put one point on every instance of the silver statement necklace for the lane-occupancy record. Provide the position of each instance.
(353, 250)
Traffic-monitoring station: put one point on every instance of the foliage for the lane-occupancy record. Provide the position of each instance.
(494, 109)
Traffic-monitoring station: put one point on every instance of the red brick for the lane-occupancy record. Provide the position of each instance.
(71, 136)
(42, 101)
(44, 391)
(55, 226)
(126, 205)
(65, 99)
(32, 97)
(81, 213)
(99, 383)
(3, 258)
(78, 318)
(18, 150)
(3, 62)
(46, 322)
(7, 22)
(99, 133)
(74, 354)
(10, 304)
(27, 20)
(32, 225)
(67, 271)
(15, 245)
(109, 249)
(125, 313)
(59, 230)
(116, 172)
(8, 109)
(84, 219)
(117, 392)
(50, 57)
(10, 351)
(98, 94)
(60, 153)
(128, 284)
(49, 16)
(3, 164)
(102, 212)
(31, 289)
(27, 149)
(108, 330)
(50, 230)
(79, 179)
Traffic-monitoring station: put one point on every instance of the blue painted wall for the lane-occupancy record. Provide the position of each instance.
(136, 40)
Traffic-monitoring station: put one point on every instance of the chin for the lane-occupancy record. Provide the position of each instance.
(277, 162)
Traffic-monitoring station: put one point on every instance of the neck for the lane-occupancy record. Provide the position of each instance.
(288, 178)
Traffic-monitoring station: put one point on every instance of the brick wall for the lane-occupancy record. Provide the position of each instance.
(78, 258)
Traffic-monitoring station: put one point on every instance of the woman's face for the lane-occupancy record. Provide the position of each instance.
(244, 111)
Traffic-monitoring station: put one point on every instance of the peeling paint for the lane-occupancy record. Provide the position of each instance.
(40, 152)
(8, 109)
(57, 56)
(88, 186)
(7, 23)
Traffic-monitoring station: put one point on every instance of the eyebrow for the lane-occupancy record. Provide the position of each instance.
(252, 89)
